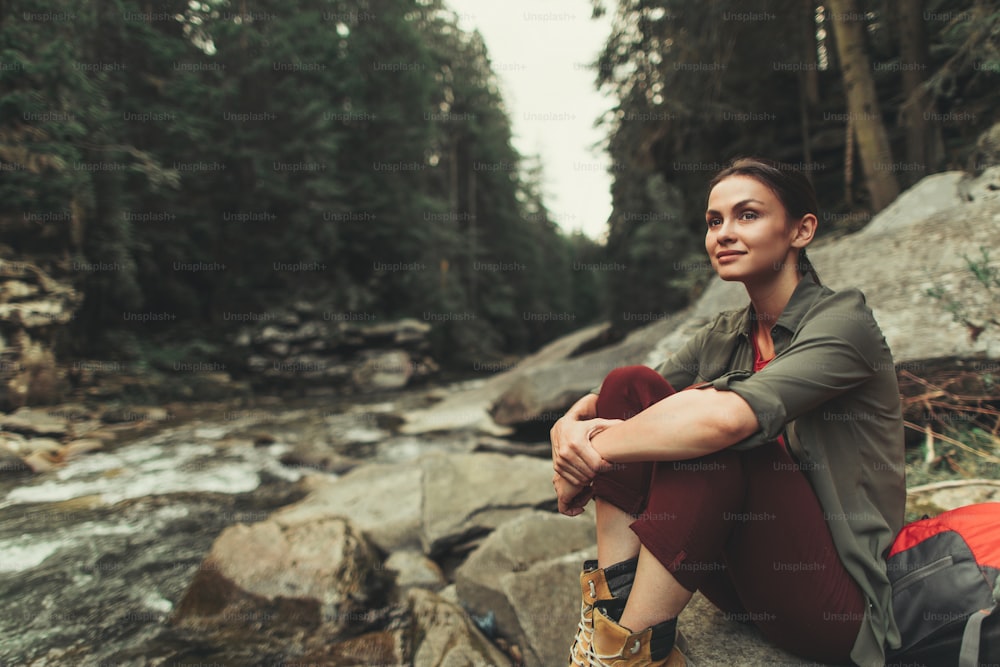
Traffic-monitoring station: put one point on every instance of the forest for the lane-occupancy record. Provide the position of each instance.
(191, 166)
(277, 292)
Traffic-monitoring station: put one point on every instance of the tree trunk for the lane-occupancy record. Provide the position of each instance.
(808, 78)
(923, 137)
(810, 74)
(862, 103)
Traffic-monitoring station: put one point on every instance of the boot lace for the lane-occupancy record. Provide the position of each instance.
(584, 632)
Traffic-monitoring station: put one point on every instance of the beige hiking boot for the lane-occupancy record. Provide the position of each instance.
(594, 588)
(615, 646)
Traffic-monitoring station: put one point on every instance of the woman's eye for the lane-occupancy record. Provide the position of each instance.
(748, 215)
(713, 222)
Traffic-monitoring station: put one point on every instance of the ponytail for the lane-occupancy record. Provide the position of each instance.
(806, 266)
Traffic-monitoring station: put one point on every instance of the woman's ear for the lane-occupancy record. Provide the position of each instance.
(804, 230)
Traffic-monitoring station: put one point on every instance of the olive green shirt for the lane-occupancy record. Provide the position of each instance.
(831, 390)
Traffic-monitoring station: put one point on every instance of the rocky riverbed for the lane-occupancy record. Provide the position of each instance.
(99, 541)
(279, 534)
(310, 532)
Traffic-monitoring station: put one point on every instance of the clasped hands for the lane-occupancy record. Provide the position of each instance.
(575, 460)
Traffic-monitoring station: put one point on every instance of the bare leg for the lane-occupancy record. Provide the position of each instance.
(615, 540)
(656, 596)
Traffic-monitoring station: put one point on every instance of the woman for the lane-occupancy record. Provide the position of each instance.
(774, 486)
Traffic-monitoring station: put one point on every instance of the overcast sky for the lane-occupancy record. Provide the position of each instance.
(540, 50)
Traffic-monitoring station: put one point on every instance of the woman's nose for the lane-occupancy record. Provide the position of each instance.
(726, 231)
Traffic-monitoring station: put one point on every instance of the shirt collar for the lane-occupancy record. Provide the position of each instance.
(798, 305)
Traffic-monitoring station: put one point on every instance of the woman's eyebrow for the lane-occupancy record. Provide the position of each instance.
(739, 204)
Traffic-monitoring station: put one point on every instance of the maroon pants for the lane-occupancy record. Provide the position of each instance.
(743, 527)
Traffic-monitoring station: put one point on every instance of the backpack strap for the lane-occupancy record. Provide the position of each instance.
(968, 656)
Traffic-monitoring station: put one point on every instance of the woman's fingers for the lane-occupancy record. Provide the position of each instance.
(572, 498)
(573, 455)
(570, 457)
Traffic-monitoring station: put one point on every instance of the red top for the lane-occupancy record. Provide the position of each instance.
(759, 363)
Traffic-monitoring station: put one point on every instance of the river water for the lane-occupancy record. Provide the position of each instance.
(94, 556)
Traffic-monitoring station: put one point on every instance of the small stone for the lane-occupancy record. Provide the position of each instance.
(41, 462)
(415, 570)
(77, 448)
(391, 369)
(35, 422)
(44, 445)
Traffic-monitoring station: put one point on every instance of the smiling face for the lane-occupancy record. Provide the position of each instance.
(749, 236)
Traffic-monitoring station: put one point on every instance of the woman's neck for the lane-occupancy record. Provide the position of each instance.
(769, 300)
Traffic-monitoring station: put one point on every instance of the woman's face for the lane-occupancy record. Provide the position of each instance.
(749, 236)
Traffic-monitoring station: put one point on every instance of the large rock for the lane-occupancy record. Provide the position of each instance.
(933, 194)
(383, 500)
(518, 560)
(715, 638)
(541, 395)
(548, 622)
(469, 495)
(467, 406)
(285, 578)
(428, 631)
(433, 504)
(448, 638)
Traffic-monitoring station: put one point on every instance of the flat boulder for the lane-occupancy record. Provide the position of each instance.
(432, 504)
(466, 496)
(285, 579)
(383, 501)
(716, 638)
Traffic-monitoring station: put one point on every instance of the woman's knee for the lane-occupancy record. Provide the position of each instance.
(625, 377)
(628, 390)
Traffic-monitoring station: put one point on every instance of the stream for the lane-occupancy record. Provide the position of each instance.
(94, 556)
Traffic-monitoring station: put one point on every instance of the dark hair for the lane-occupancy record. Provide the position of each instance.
(789, 185)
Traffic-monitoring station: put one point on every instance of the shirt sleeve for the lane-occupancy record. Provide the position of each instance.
(836, 350)
(681, 368)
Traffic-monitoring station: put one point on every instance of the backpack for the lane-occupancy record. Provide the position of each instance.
(944, 573)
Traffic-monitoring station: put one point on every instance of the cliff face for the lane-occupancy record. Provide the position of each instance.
(33, 307)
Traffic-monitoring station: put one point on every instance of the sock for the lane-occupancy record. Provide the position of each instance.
(663, 638)
(620, 577)
(613, 608)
